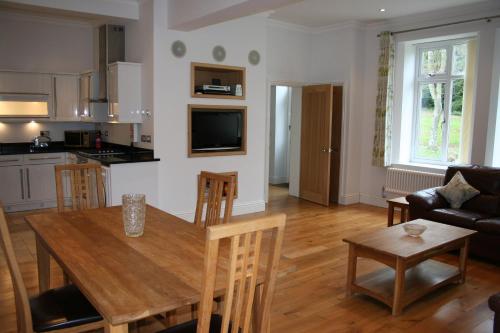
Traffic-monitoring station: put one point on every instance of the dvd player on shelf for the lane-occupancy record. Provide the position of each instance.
(213, 89)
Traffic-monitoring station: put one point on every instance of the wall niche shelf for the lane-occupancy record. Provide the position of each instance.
(212, 74)
(217, 130)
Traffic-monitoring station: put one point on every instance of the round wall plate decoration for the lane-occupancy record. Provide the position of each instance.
(178, 49)
(219, 53)
(254, 57)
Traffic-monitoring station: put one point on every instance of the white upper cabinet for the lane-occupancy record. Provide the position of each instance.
(65, 96)
(25, 95)
(25, 83)
(125, 92)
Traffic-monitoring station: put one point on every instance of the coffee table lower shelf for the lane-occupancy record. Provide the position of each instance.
(419, 281)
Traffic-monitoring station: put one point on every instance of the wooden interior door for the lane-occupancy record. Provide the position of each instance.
(316, 136)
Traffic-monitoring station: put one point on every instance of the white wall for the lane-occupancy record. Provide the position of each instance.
(288, 53)
(31, 43)
(338, 58)
(373, 178)
(280, 136)
(295, 123)
(493, 146)
(177, 172)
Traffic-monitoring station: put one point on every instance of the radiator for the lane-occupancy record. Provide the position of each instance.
(404, 181)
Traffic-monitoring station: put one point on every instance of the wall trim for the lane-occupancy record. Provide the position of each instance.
(238, 209)
(278, 180)
(373, 200)
(349, 199)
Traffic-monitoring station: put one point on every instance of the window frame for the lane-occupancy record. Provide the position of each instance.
(447, 78)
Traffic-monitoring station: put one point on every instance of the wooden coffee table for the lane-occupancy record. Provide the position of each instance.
(411, 273)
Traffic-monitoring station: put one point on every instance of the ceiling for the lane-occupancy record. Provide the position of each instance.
(317, 13)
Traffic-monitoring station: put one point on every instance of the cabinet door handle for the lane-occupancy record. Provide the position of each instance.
(5, 161)
(44, 158)
(55, 97)
(22, 183)
(28, 182)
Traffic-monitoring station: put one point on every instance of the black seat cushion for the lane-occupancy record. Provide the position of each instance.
(190, 326)
(457, 217)
(61, 308)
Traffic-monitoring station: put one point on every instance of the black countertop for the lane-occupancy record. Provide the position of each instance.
(127, 154)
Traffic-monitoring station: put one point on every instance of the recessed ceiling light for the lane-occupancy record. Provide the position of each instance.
(382, 10)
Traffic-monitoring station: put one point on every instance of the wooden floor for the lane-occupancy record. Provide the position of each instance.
(310, 292)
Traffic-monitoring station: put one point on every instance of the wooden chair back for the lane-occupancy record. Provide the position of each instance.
(84, 180)
(23, 312)
(241, 301)
(214, 188)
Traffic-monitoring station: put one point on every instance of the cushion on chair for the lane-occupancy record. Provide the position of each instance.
(61, 308)
(190, 326)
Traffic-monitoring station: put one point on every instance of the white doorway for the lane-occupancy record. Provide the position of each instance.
(284, 137)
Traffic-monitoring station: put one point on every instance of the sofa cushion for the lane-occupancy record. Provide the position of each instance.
(485, 179)
(457, 217)
(489, 226)
(457, 191)
(483, 203)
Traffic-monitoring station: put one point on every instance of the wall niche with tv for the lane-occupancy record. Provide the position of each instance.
(217, 130)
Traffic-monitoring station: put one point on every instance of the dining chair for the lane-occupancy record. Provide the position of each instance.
(86, 186)
(214, 188)
(247, 299)
(63, 309)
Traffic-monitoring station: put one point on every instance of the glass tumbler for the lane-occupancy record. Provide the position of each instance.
(134, 212)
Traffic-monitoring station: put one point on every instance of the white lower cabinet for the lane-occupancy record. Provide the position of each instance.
(11, 190)
(30, 183)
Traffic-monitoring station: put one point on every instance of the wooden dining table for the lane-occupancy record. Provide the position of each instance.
(126, 279)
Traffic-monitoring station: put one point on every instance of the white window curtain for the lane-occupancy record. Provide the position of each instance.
(381, 155)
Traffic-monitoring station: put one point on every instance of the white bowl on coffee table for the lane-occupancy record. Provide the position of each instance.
(414, 229)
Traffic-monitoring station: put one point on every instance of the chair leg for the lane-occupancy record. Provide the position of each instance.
(194, 309)
(171, 318)
(66, 279)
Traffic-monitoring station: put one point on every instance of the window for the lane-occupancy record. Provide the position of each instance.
(441, 121)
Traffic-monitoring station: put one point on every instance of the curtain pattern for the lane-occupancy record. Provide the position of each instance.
(381, 155)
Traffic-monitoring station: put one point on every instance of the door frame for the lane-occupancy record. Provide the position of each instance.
(345, 126)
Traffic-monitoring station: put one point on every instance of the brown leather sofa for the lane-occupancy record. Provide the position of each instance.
(481, 213)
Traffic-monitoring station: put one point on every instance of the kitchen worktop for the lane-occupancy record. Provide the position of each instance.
(128, 154)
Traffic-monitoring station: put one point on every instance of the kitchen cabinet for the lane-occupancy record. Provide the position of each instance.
(24, 95)
(25, 83)
(12, 189)
(90, 108)
(125, 92)
(28, 181)
(65, 95)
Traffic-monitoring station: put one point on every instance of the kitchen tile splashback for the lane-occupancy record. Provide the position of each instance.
(24, 132)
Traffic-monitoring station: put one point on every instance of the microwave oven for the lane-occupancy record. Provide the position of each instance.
(82, 139)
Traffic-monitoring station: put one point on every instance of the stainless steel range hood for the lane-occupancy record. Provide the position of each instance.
(111, 49)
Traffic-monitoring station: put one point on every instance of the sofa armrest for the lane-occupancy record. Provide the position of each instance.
(426, 200)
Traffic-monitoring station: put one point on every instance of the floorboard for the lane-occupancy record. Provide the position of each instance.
(311, 285)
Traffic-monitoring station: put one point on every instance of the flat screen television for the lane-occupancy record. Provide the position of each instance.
(217, 130)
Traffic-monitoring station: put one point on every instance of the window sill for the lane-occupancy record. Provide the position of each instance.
(433, 168)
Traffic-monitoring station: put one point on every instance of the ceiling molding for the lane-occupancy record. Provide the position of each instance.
(352, 24)
(288, 26)
(489, 8)
(46, 19)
